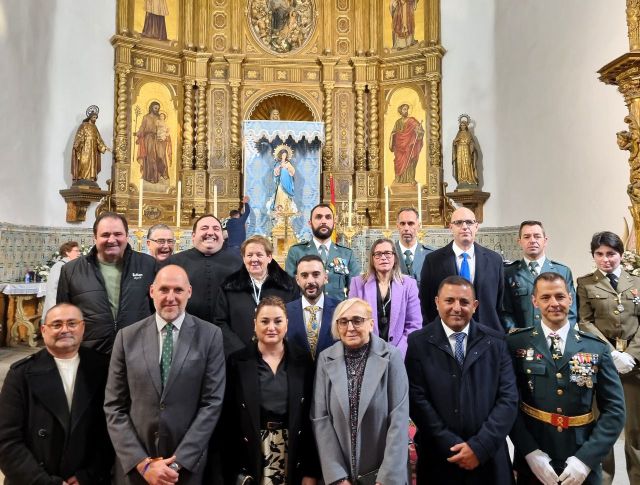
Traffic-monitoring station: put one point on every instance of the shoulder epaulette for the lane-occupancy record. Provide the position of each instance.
(303, 243)
(21, 362)
(342, 246)
(588, 275)
(519, 329)
(511, 263)
(591, 336)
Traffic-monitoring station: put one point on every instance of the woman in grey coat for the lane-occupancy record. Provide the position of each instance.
(360, 410)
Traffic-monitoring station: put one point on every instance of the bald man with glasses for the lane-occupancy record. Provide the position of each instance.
(464, 257)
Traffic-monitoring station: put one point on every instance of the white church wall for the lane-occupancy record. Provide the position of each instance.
(526, 72)
(61, 62)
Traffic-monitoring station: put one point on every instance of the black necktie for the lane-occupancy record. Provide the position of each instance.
(613, 280)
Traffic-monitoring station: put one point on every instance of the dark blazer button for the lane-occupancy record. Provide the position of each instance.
(42, 433)
(162, 406)
(391, 339)
(299, 433)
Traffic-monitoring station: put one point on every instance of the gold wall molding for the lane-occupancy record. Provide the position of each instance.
(221, 72)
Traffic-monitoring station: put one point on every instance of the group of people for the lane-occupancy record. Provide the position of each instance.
(226, 368)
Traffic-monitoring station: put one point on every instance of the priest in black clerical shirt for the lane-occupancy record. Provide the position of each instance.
(207, 264)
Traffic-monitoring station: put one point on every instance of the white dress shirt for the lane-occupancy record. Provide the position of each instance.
(160, 325)
(68, 369)
(452, 339)
(562, 333)
(327, 244)
(403, 248)
(471, 259)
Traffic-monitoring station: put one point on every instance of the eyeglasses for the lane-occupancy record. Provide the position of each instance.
(355, 321)
(162, 242)
(468, 222)
(71, 325)
(383, 254)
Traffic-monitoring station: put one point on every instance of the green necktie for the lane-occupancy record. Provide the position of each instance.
(408, 261)
(533, 267)
(167, 353)
(323, 253)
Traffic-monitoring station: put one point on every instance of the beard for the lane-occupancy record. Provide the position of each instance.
(322, 232)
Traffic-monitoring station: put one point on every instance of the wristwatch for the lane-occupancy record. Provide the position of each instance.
(175, 467)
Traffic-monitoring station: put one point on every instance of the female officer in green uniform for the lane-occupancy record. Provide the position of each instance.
(609, 305)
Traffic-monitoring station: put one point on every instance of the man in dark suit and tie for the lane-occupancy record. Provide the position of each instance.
(464, 257)
(411, 252)
(52, 426)
(310, 315)
(462, 393)
(165, 389)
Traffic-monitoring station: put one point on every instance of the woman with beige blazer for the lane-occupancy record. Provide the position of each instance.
(360, 410)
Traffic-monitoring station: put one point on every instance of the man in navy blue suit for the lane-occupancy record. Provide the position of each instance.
(462, 393)
(310, 315)
(466, 258)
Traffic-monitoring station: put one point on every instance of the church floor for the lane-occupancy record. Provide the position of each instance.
(8, 355)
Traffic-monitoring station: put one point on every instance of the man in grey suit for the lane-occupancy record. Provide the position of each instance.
(411, 252)
(165, 389)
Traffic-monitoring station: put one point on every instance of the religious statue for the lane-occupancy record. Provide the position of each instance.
(283, 173)
(403, 23)
(87, 147)
(274, 114)
(281, 25)
(464, 155)
(154, 22)
(630, 141)
(154, 145)
(406, 144)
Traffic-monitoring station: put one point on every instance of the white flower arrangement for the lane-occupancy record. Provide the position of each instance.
(631, 262)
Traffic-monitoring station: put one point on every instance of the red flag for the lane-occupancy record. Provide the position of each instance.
(332, 203)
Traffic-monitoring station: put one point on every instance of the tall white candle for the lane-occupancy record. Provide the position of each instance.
(419, 202)
(140, 203)
(215, 200)
(179, 204)
(386, 206)
(350, 203)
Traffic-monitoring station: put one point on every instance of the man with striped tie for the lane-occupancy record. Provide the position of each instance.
(462, 393)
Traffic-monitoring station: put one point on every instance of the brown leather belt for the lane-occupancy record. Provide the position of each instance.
(558, 420)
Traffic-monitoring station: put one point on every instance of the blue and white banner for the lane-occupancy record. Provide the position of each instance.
(282, 166)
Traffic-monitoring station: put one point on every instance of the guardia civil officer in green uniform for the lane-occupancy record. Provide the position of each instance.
(609, 307)
(517, 309)
(340, 261)
(561, 371)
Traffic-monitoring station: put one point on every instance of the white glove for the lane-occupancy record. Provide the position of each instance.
(575, 473)
(540, 464)
(624, 362)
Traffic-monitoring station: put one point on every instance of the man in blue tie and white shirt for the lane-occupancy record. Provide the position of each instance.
(466, 258)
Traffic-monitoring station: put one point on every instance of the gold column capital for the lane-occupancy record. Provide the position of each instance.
(633, 24)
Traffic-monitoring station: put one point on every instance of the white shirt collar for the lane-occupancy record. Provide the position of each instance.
(161, 322)
(403, 248)
(617, 272)
(319, 303)
(562, 332)
(540, 261)
(327, 244)
(450, 332)
(458, 251)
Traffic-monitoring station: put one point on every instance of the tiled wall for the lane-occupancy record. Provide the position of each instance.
(24, 247)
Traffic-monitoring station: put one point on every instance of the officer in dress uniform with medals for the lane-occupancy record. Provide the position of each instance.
(340, 261)
(561, 371)
(609, 305)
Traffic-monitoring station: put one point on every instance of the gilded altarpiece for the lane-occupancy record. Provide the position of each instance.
(197, 69)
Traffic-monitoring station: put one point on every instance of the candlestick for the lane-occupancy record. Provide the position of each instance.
(386, 206)
(419, 203)
(179, 204)
(350, 203)
(215, 200)
(140, 203)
